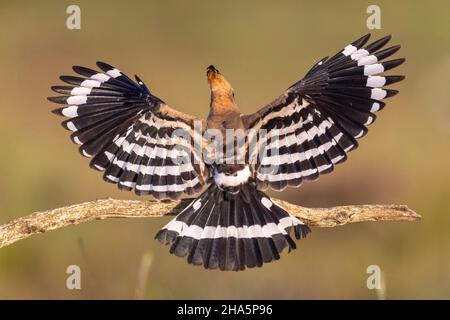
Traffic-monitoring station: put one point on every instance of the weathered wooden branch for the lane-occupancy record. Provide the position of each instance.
(43, 221)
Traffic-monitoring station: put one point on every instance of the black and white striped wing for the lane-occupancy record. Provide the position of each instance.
(316, 122)
(129, 133)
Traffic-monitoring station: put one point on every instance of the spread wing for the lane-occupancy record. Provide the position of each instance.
(312, 126)
(129, 133)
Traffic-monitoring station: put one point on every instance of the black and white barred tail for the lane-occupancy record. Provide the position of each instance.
(232, 231)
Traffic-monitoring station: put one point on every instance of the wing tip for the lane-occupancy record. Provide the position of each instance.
(83, 71)
(55, 99)
(362, 40)
(104, 66)
(393, 79)
(390, 93)
(57, 111)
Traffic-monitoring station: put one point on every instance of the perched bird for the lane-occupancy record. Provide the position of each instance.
(140, 143)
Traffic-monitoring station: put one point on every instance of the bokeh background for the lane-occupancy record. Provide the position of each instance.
(262, 47)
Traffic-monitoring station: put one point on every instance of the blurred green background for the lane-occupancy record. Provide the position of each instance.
(262, 47)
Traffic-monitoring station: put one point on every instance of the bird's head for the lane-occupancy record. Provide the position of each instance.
(219, 86)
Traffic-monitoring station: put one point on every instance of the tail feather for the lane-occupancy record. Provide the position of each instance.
(196, 255)
(270, 233)
(225, 231)
(185, 241)
(252, 253)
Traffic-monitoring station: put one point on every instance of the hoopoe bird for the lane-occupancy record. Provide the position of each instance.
(141, 143)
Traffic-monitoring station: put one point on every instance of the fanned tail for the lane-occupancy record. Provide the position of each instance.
(232, 231)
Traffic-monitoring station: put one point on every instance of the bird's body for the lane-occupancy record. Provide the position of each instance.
(224, 114)
(140, 143)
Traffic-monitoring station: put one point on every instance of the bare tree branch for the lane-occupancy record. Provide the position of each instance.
(43, 221)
